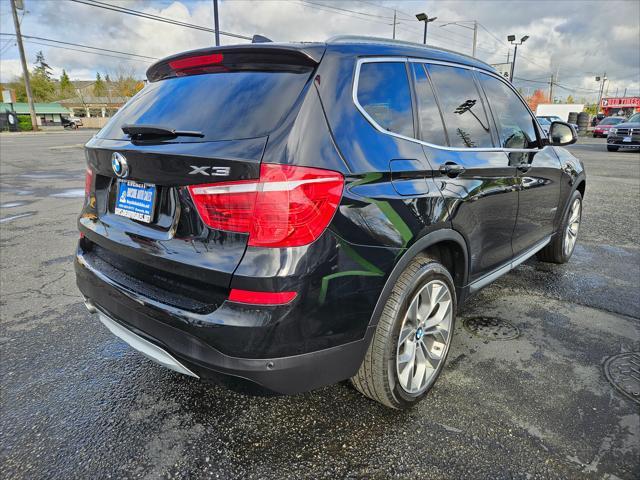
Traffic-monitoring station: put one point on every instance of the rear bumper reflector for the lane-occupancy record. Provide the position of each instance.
(261, 298)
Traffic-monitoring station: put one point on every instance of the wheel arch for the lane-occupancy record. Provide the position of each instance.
(448, 246)
(582, 185)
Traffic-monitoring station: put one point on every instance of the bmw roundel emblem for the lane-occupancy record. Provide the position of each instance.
(119, 165)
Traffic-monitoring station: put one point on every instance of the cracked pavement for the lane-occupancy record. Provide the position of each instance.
(77, 402)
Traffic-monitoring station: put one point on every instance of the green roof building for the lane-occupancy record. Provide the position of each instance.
(48, 113)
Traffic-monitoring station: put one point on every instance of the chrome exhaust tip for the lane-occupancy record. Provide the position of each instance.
(90, 306)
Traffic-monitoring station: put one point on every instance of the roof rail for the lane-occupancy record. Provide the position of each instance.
(389, 41)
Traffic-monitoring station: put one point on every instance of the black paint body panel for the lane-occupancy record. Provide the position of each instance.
(397, 202)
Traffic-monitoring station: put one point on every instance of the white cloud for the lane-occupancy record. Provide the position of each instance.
(9, 69)
(578, 38)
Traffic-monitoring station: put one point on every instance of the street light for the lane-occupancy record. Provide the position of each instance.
(512, 39)
(474, 28)
(423, 17)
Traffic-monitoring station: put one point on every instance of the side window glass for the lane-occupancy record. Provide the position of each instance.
(431, 127)
(464, 114)
(515, 123)
(383, 92)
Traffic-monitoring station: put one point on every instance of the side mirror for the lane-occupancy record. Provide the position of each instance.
(561, 134)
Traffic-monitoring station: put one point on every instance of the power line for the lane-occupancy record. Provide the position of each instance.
(89, 52)
(326, 8)
(149, 16)
(81, 46)
(347, 10)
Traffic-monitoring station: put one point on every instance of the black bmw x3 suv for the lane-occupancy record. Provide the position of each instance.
(294, 215)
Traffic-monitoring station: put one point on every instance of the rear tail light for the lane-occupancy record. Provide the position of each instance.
(88, 183)
(261, 298)
(288, 206)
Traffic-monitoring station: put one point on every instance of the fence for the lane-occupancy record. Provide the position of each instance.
(94, 122)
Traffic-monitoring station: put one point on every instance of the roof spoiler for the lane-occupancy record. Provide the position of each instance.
(255, 56)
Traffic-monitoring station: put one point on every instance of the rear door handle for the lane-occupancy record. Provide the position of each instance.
(451, 169)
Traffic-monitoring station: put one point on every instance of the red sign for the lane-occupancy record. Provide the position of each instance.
(621, 102)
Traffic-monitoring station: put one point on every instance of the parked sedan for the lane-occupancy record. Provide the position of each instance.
(625, 134)
(545, 123)
(602, 129)
(555, 118)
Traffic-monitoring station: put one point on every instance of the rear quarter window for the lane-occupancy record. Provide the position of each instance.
(223, 106)
(383, 92)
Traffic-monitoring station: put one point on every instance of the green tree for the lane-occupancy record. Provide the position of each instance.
(42, 67)
(99, 88)
(66, 87)
(43, 89)
(570, 99)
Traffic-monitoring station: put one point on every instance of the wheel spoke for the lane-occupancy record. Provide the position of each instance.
(409, 353)
(404, 334)
(429, 358)
(412, 313)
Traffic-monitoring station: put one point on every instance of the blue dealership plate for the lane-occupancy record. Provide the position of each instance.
(135, 200)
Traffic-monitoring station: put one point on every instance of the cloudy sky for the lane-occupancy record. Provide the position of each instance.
(574, 39)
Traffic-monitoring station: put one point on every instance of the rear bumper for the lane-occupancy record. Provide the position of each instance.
(168, 332)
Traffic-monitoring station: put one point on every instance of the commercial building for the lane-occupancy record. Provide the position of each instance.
(620, 106)
(49, 114)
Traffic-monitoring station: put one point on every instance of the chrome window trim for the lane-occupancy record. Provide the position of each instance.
(405, 60)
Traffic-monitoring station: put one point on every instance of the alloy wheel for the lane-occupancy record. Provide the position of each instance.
(425, 336)
(571, 233)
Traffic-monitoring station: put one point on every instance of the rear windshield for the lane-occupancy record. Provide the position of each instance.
(223, 106)
(611, 121)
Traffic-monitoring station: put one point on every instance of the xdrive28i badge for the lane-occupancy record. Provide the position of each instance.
(119, 165)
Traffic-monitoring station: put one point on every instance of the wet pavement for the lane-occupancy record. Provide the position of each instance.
(78, 403)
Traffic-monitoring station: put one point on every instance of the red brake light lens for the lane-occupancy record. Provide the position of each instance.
(261, 298)
(198, 61)
(288, 206)
(88, 182)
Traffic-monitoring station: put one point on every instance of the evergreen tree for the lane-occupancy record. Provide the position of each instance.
(42, 67)
(66, 87)
(99, 88)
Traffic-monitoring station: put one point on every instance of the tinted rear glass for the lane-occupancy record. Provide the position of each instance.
(383, 92)
(222, 106)
(462, 108)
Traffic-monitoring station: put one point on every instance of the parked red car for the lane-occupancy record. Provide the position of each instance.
(602, 129)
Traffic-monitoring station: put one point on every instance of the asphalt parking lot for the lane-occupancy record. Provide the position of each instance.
(78, 403)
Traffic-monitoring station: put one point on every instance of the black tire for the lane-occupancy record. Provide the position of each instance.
(595, 136)
(377, 377)
(611, 148)
(555, 251)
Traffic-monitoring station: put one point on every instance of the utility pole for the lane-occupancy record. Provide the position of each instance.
(475, 32)
(601, 80)
(394, 24)
(25, 70)
(215, 22)
(475, 37)
(551, 89)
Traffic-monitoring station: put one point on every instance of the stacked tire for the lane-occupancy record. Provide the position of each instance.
(583, 121)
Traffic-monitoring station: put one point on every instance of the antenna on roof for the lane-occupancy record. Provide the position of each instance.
(260, 39)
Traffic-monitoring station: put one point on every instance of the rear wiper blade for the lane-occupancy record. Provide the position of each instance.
(157, 131)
